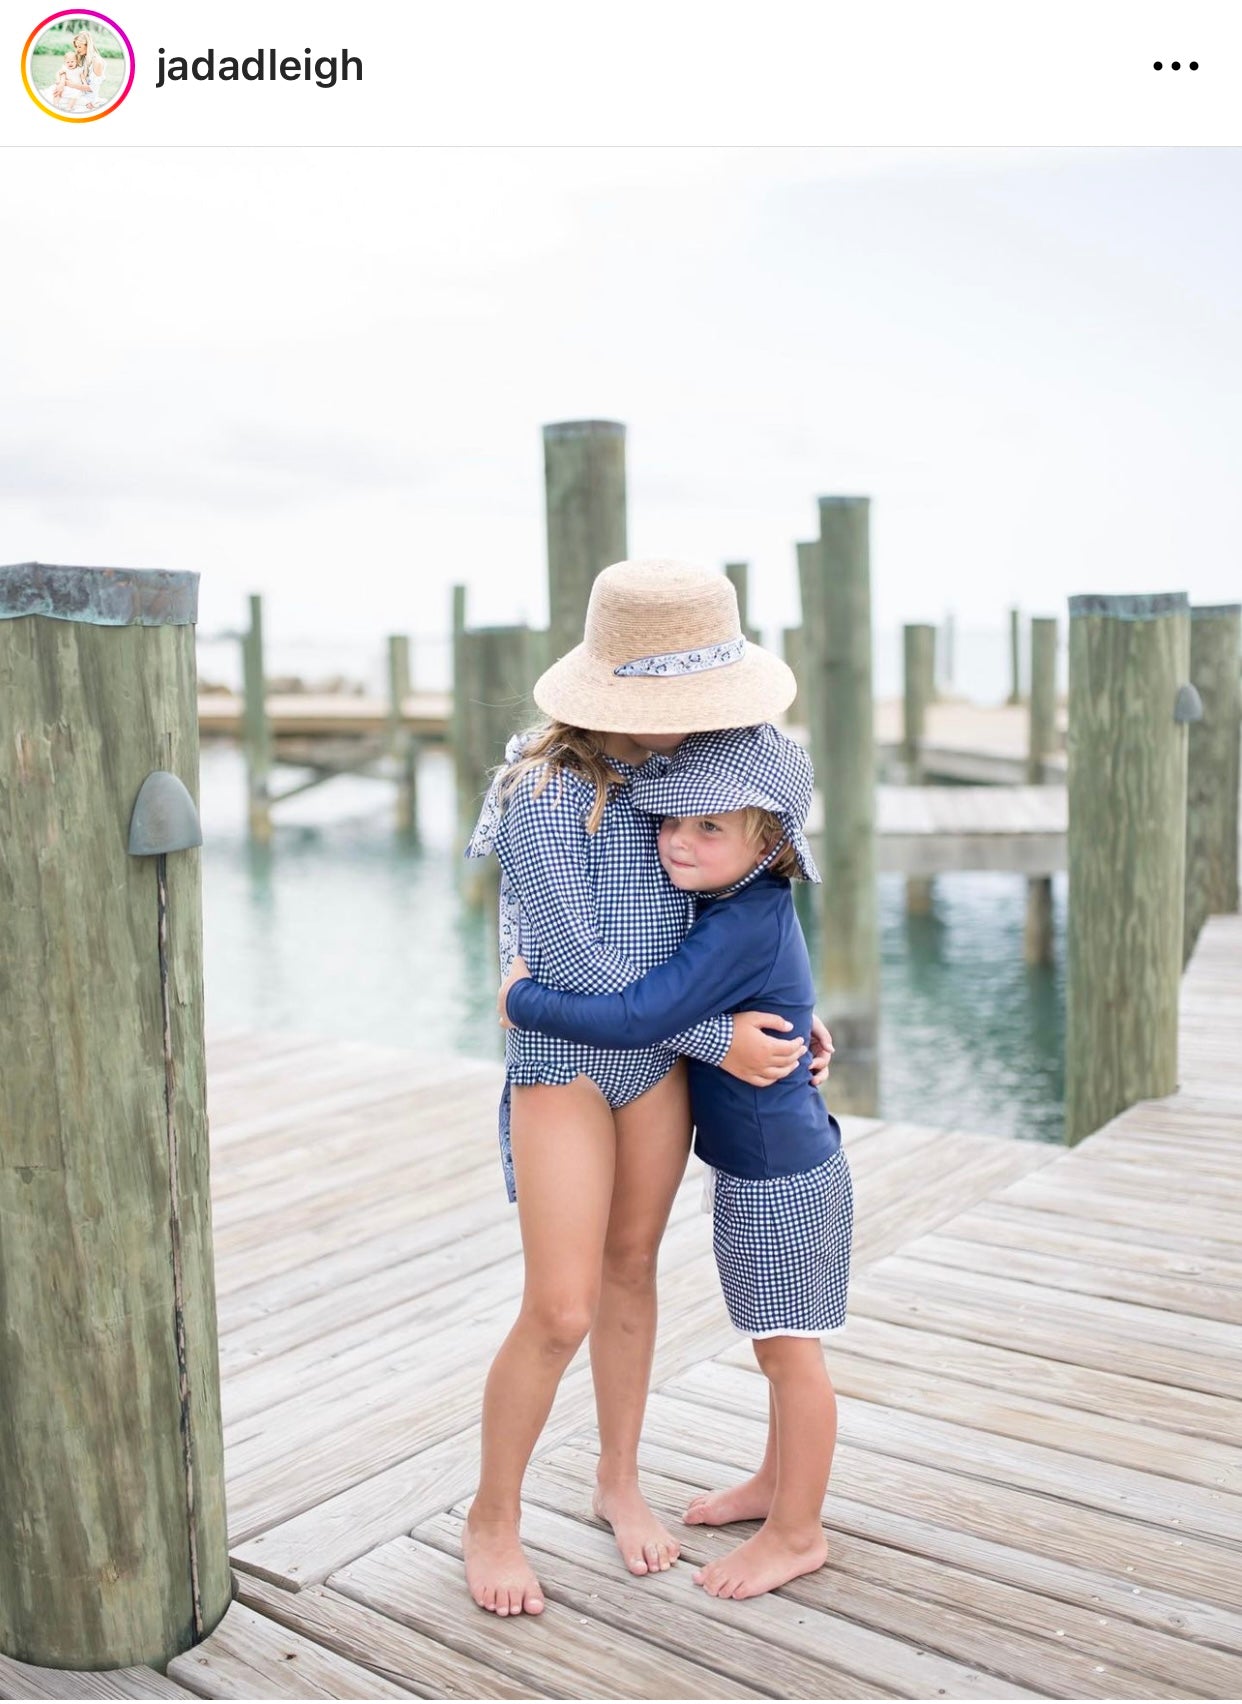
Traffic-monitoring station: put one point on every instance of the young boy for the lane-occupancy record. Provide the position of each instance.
(734, 805)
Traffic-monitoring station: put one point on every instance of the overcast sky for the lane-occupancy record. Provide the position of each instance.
(322, 374)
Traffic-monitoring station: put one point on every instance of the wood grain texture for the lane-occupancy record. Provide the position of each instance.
(1127, 845)
(1212, 769)
(584, 484)
(95, 1561)
(1037, 1484)
(836, 602)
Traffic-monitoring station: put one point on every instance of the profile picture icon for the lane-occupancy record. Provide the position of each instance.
(78, 66)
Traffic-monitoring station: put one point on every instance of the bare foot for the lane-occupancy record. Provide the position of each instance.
(749, 1501)
(764, 1562)
(646, 1546)
(497, 1572)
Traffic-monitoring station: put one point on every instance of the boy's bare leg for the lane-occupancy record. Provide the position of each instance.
(653, 1142)
(563, 1150)
(749, 1501)
(791, 1540)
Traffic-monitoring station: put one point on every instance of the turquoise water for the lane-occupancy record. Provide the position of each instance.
(338, 929)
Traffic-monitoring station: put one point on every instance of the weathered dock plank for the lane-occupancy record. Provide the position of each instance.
(25, 1680)
(569, 1656)
(1037, 1489)
(252, 1656)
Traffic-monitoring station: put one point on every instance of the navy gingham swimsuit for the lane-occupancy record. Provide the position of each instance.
(590, 913)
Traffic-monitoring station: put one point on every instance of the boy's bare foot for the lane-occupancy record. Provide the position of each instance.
(766, 1561)
(497, 1572)
(646, 1546)
(749, 1501)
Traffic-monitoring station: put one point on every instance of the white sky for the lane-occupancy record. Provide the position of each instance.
(321, 374)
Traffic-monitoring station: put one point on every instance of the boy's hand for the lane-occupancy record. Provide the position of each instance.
(758, 1058)
(517, 973)
(821, 1051)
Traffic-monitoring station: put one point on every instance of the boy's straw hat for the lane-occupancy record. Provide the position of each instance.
(663, 653)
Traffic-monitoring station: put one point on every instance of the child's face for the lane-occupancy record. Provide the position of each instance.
(71, 57)
(701, 854)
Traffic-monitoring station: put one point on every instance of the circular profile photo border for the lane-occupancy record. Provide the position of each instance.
(87, 117)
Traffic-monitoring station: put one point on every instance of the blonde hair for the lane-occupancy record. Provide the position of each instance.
(761, 829)
(554, 747)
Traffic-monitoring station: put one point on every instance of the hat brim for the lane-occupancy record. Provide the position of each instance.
(582, 691)
(696, 794)
(686, 796)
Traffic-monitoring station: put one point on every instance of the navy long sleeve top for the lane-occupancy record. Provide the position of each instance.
(745, 952)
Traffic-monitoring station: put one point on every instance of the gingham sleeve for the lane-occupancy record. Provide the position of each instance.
(541, 844)
(716, 967)
(708, 1041)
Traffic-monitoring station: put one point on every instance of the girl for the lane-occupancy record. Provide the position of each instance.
(596, 1140)
(734, 805)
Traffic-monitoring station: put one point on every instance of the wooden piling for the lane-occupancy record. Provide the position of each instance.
(496, 702)
(919, 660)
(1041, 741)
(843, 708)
(584, 474)
(1127, 841)
(793, 651)
(1015, 656)
(812, 588)
(1212, 776)
(112, 1522)
(462, 787)
(256, 731)
(919, 675)
(402, 742)
(739, 578)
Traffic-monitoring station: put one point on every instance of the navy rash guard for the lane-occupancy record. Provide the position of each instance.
(745, 952)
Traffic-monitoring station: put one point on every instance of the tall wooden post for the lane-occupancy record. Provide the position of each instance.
(739, 578)
(584, 473)
(1212, 780)
(842, 705)
(1129, 656)
(813, 590)
(793, 651)
(402, 742)
(256, 730)
(1015, 656)
(919, 658)
(112, 1526)
(496, 703)
(1041, 740)
(463, 791)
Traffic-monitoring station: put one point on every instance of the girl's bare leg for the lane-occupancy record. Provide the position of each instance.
(791, 1540)
(563, 1154)
(749, 1501)
(653, 1142)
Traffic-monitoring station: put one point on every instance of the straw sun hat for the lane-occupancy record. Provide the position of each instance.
(663, 653)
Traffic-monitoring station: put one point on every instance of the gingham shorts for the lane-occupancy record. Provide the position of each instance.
(782, 1247)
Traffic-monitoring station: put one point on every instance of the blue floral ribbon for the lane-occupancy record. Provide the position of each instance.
(702, 658)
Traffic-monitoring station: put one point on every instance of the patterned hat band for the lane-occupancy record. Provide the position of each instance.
(698, 661)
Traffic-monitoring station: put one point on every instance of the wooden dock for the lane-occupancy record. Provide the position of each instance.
(992, 736)
(327, 715)
(1037, 1491)
(920, 831)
